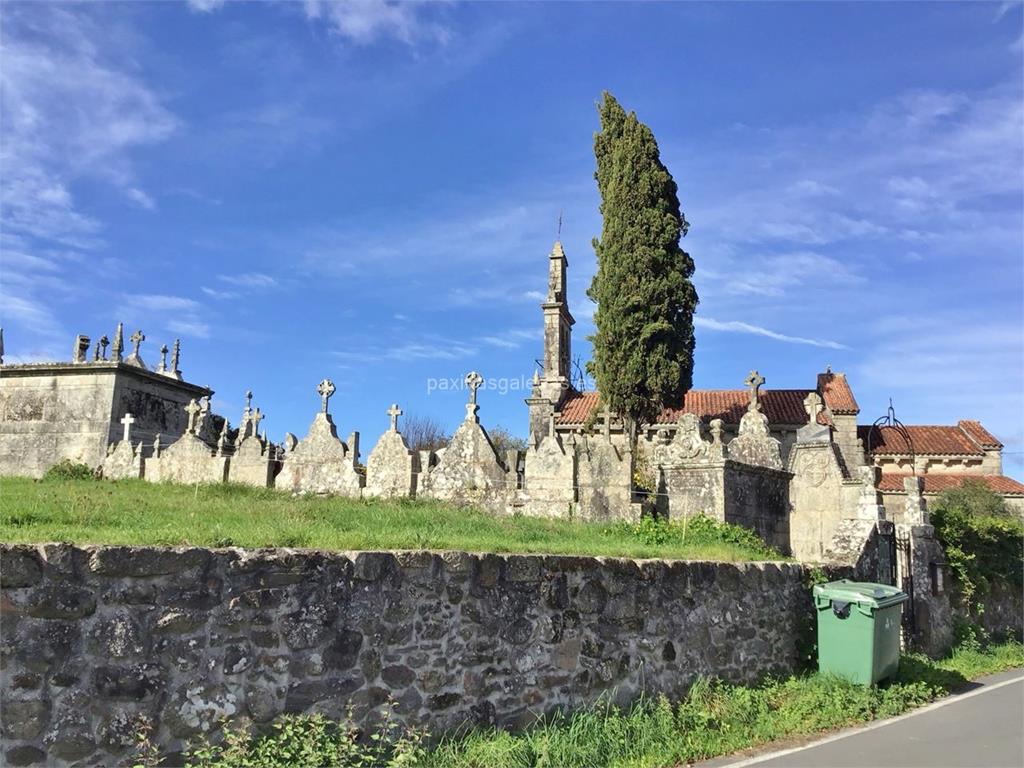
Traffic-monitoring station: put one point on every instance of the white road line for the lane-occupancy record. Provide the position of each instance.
(877, 724)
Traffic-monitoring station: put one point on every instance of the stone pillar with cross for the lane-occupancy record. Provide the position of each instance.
(163, 359)
(812, 431)
(473, 381)
(394, 412)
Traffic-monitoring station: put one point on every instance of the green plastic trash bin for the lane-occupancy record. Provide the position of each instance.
(859, 629)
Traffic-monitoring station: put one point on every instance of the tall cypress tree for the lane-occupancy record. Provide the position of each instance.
(643, 346)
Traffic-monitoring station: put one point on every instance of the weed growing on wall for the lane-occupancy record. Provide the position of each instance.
(695, 531)
(983, 541)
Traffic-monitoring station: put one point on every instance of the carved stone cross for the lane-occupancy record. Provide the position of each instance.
(128, 420)
(104, 343)
(394, 412)
(473, 381)
(248, 402)
(754, 382)
(137, 338)
(163, 359)
(192, 409)
(606, 425)
(325, 388)
(813, 406)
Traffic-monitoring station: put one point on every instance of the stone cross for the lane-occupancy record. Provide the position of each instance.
(248, 402)
(813, 406)
(136, 338)
(325, 389)
(192, 409)
(163, 359)
(473, 381)
(257, 417)
(606, 426)
(104, 342)
(394, 412)
(118, 348)
(754, 382)
(174, 356)
(128, 420)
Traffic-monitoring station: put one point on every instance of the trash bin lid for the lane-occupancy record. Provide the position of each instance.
(861, 592)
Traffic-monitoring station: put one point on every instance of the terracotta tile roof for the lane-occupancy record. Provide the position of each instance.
(938, 483)
(781, 406)
(927, 440)
(966, 438)
(979, 434)
(835, 391)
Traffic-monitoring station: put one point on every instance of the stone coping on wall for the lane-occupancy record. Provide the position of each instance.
(18, 370)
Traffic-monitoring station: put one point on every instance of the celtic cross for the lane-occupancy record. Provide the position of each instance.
(325, 389)
(754, 382)
(473, 381)
(813, 406)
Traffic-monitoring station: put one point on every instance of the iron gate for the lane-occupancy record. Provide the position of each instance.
(905, 571)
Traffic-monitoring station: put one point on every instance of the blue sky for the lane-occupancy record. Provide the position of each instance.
(368, 192)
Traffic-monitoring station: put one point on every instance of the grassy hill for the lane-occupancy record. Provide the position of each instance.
(136, 512)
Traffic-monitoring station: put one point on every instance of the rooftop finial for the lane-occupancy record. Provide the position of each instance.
(560, 223)
(118, 348)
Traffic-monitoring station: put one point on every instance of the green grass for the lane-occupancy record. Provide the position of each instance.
(717, 719)
(137, 512)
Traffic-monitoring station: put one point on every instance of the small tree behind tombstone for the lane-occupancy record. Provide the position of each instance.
(423, 433)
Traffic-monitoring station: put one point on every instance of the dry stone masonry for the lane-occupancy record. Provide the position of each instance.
(99, 640)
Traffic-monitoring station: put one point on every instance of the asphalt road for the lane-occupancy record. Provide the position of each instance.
(983, 728)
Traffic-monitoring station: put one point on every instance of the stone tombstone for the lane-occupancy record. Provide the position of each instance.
(549, 477)
(190, 459)
(468, 470)
(320, 462)
(754, 443)
(123, 460)
(812, 431)
(604, 473)
(816, 496)
(254, 459)
(392, 468)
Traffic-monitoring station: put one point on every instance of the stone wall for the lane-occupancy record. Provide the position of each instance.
(1004, 609)
(95, 638)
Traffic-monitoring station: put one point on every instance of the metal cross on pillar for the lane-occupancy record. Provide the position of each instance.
(394, 412)
(192, 409)
(128, 420)
(754, 382)
(325, 389)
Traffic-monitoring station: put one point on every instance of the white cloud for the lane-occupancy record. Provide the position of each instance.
(250, 280)
(736, 326)
(176, 314)
(365, 21)
(141, 199)
(205, 6)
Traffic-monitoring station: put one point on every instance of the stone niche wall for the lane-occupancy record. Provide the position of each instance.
(95, 638)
